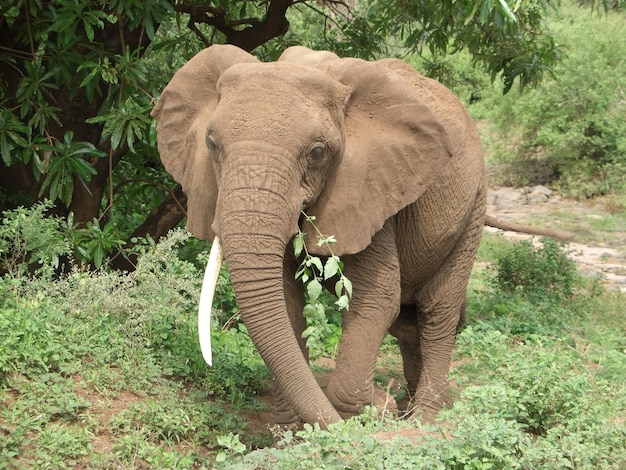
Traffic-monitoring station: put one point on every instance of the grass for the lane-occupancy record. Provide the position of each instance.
(102, 370)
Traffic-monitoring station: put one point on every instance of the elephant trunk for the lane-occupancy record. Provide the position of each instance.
(254, 239)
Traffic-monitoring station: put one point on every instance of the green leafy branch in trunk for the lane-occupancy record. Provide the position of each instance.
(313, 270)
(323, 327)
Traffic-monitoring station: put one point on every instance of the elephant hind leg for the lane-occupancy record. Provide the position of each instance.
(406, 331)
(424, 396)
(440, 307)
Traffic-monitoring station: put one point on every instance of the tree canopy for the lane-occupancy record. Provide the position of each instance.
(78, 79)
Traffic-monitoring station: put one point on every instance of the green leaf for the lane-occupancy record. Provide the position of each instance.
(339, 288)
(315, 261)
(343, 302)
(472, 13)
(506, 10)
(347, 285)
(89, 31)
(314, 289)
(298, 244)
(332, 267)
(314, 311)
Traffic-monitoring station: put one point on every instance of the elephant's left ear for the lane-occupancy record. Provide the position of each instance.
(395, 147)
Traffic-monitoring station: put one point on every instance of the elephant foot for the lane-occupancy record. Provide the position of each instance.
(404, 405)
(284, 416)
(425, 405)
(384, 402)
(287, 420)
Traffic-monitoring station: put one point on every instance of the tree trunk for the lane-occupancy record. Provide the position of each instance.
(161, 220)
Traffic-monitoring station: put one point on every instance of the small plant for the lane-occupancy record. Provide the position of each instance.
(313, 271)
(238, 372)
(232, 446)
(30, 239)
(536, 271)
(95, 243)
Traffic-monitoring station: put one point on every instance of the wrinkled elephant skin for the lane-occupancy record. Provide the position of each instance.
(387, 160)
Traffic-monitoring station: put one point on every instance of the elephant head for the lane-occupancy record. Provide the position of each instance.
(253, 143)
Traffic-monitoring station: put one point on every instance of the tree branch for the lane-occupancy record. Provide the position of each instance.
(256, 31)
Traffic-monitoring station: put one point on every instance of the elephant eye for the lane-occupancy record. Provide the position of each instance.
(211, 143)
(317, 152)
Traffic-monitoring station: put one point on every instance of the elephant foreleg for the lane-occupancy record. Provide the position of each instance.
(375, 275)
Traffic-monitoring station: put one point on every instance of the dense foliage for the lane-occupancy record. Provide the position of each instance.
(570, 131)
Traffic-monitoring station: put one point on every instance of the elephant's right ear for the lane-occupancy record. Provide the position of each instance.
(182, 113)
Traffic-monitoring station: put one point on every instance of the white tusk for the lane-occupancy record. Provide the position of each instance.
(206, 300)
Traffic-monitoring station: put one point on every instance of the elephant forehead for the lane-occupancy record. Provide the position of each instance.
(273, 105)
(284, 83)
(281, 73)
(283, 125)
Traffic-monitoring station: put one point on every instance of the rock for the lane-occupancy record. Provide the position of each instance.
(537, 198)
(491, 198)
(541, 190)
(538, 194)
(508, 197)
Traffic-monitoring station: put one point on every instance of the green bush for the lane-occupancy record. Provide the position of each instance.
(545, 388)
(34, 240)
(238, 372)
(31, 239)
(570, 130)
(34, 337)
(540, 271)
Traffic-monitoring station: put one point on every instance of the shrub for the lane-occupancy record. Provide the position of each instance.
(538, 271)
(33, 339)
(545, 388)
(30, 237)
(238, 371)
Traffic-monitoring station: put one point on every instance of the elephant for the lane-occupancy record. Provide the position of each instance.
(385, 159)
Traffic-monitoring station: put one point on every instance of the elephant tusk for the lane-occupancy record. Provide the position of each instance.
(206, 300)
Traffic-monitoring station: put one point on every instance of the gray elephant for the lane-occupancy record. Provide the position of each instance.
(387, 160)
